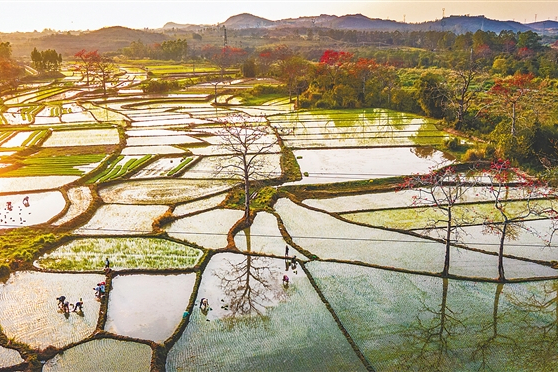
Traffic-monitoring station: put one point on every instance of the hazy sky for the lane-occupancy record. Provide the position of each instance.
(25, 15)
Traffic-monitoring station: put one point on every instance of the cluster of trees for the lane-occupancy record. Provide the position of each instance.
(46, 60)
(515, 113)
(10, 71)
(96, 68)
(176, 50)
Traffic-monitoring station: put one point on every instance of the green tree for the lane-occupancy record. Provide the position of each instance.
(431, 94)
(176, 50)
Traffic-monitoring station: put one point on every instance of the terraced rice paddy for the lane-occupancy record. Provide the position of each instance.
(340, 165)
(84, 137)
(355, 128)
(41, 208)
(22, 184)
(161, 191)
(221, 167)
(435, 323)
(80, 199)
(198, 205)
(398, 199)
(165, 167)
(132, 178)
(419, 218)
(312, 341)
(9, 357)
(152, 150)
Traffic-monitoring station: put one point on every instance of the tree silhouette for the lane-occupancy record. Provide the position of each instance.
(431, 336)
(494, 339)
(87, 63)
(442, 189)
(251, 285)
(500, 177)
(247, 144)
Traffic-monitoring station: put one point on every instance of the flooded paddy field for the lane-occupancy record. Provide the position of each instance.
(133, 312)
(236, 335)
(110, 355)
(29, 312)
(339, 165)
(348, 278)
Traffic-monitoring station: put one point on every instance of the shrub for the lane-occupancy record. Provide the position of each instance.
(451, 143)
(4, 270)
(261, 89)
(159, 86)
(324, 104)
(304, 103)
(474, 155)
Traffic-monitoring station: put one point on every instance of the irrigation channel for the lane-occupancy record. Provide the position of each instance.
(326, 278)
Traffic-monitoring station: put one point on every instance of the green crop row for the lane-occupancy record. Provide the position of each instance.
(109, 169)
(28, 113)
(5, 135)
(114, 170)
(35, 138)
(179, 167)
(58, 110)
(49, 93)
(54, 166)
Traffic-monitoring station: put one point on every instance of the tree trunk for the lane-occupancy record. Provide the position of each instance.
(499, 289)
(513, 120)
(246, 191)
(501, 276)
(448, 247)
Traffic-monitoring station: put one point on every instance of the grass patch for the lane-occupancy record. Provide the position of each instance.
(116, 170)
(20, 247)
(129, 253)
(62, 165)
(179, 167)
(35, 137)
(289, 166)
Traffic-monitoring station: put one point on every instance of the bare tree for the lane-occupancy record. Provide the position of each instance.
(105, 71)
(247, 144)
(499, 178)
(463, 87)
(250, 285)
(87, 62)
(443, 189)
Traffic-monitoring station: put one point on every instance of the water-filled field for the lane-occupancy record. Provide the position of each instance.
(148, 307)
(336, 272)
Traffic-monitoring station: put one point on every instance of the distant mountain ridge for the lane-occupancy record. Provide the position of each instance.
(456, 23)
(103, 40)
